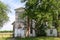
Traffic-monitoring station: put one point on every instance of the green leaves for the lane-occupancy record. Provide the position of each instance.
(3, 13)
(32, 2)
(41, 10)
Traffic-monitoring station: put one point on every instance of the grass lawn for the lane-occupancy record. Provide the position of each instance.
(36, 38)
(39, 38)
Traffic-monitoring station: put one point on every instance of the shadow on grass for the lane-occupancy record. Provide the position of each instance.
(39, 38)
(31, 38)
(27, 38)
(34, 38)
(8, 38)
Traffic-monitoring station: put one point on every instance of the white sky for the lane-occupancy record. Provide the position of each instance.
(13, 4)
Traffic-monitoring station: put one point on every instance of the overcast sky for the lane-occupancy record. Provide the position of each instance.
(13, 4)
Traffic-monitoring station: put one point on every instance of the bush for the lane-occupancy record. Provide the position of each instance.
(41, 31)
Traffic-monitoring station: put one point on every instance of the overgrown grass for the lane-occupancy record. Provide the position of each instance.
(39, 38)
(4, 38)
(31, 38)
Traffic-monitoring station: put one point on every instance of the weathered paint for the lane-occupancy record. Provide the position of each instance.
(54, 32)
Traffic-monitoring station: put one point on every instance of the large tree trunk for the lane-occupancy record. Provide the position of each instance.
(28, 27)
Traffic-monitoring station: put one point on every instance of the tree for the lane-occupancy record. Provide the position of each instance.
(3, 13)
(43, 10)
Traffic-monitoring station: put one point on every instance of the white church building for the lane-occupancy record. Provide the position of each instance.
(20, 26)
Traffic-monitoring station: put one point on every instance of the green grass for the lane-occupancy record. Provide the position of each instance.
(36, 38)
(39, 38)
(3, 38)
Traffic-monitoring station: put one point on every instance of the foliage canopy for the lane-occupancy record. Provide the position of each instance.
(3, 13)
(43, 11)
